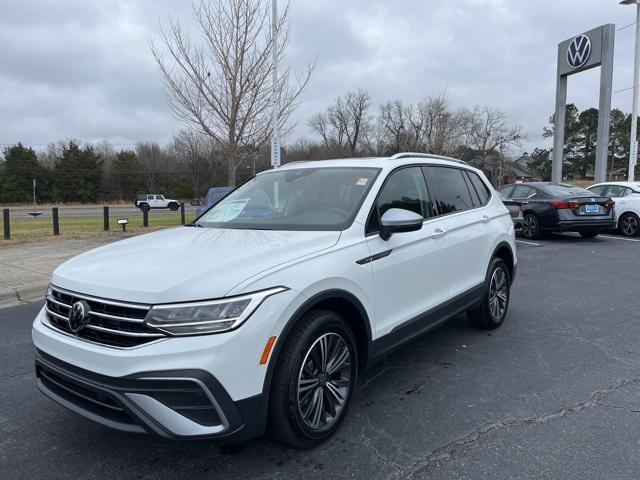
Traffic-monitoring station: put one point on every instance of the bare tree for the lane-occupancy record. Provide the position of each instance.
(222, 87)
(344, 124)
(490, 134)
(193, 151)
(442, 129)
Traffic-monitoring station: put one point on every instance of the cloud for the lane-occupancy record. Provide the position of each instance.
(83, 69)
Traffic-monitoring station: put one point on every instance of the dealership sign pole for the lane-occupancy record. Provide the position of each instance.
(275, 140)
(588, 50)
(633, 150)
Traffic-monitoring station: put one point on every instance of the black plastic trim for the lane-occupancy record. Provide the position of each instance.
(242, 415)
(426, 321)
(373, 258)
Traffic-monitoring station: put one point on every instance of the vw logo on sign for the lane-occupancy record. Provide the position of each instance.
(579, 51)
(78, 316)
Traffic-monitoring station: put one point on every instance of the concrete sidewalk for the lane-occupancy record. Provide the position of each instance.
(25, 268)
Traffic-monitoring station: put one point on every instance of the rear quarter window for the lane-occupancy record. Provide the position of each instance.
(480, 187)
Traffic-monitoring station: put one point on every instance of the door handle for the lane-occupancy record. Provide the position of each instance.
(438, 233)
(525, 202)
(485, 218)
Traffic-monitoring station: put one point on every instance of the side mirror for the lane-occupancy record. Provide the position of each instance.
(397, 220)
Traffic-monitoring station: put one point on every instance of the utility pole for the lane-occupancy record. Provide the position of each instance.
(633, 150)
(275, 140)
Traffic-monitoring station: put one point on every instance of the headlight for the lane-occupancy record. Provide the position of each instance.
(211, 316)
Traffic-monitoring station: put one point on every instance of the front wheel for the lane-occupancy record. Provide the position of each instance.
(173, 206)
(313, 381)
(493, 309)
(629, 225)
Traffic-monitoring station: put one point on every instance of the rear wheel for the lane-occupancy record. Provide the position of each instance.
(629, 225)
(531, 227)
(314, 379)
(493, 309)
(144, 207)
(589, 234)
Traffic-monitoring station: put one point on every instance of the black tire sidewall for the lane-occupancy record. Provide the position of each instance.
(621, 230)
(536, 232)
(326, 322)
(495, 264)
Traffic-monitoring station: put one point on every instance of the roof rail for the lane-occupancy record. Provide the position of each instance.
(426, 155)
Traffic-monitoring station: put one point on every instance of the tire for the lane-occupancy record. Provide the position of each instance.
(629, 225)
(173, 206)
(531, 227)
(144, 207)
(489, 314)
(589, 234)
(292, 412)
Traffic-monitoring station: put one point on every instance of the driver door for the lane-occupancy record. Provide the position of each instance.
(409, 269)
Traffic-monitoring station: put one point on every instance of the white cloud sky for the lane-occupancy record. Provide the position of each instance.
(80, 69)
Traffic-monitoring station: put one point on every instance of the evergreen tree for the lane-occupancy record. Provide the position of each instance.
(18, 170)
(77, 174)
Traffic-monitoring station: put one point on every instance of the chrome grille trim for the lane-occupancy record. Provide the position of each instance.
(111, 323)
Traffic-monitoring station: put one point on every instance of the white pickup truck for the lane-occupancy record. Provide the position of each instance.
(147, 202)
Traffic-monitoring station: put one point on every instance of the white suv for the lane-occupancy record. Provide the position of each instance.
(281, 294)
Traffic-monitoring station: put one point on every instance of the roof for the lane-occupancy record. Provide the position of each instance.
(624, 184)
(379, 162)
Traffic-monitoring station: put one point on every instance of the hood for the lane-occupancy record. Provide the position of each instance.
(184, 264)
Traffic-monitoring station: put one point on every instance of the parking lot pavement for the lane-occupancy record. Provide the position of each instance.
(553, 393)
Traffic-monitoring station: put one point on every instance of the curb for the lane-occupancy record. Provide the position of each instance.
(19, 296)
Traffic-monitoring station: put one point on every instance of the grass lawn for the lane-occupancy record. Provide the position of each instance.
(28, 230)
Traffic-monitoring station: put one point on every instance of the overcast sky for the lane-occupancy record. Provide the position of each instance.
(82, 69)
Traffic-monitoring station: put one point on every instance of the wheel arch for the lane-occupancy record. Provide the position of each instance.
(340, 301)
(504, 251)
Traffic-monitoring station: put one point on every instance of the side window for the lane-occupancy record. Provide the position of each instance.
(507, 191)
(598, 189)
(451, 191)
(627, 191)
(480, 187)
(616, 191)
(521, 191)
(405, 188)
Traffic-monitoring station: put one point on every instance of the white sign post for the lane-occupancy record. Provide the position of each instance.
(634, 155)
(275, 151)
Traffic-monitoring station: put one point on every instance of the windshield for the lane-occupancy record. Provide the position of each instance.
(563, 190)
(302, 199)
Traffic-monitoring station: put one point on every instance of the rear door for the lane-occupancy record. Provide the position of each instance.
(409, 269)
(467, 229)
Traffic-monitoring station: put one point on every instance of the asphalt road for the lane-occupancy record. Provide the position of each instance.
(554, 393)
(92, 211)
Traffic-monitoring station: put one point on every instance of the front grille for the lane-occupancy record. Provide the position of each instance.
(111, 323)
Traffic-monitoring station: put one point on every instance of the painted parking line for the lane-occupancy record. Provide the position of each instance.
(620, 238)
(528, 243)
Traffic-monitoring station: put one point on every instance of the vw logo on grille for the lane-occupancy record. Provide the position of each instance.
(78, 316)
(579, 51)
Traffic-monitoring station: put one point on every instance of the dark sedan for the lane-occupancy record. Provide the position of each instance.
(559, 207)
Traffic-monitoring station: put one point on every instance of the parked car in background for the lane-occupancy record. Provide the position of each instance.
(627, 208)
(214, 195)
(283, 292)
(515, 210)
(560, 207)
(149, 201)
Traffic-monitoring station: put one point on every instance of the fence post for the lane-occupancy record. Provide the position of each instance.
(182, 213)
(145, 218)
(5, 221)
(105, 214)
(56, 221)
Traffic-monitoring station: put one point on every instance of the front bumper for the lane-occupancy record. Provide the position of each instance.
(172, 404)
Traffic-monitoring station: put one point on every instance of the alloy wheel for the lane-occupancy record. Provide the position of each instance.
(529, 228)
(630, 226)
(498, 293)
(324, 381)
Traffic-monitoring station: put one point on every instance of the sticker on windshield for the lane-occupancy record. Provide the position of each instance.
(227, 211)
(362, 181)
